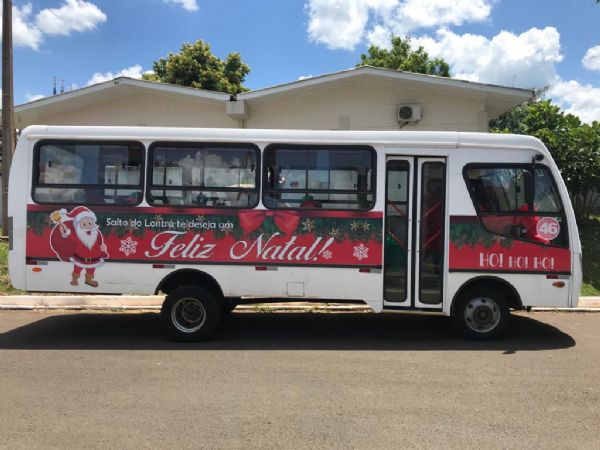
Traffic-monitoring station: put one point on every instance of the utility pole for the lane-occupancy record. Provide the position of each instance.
(8, 122)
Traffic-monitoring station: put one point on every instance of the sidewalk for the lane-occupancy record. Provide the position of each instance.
(132, 302)
(589, 302)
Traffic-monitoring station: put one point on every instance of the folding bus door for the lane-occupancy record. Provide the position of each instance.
(415, 233)
(430, 229)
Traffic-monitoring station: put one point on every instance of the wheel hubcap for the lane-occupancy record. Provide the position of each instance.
(482, 314)
(188, 314)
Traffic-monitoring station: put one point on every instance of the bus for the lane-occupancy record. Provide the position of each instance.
(466, 225)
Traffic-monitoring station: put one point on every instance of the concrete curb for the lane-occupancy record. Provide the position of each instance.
(153, 302)
(80, 302)
(589, 302)
(568, 310)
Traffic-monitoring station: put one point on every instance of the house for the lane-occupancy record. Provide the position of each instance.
(363, 98)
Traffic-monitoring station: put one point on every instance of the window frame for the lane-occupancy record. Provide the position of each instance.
(422, 231)
(316, 147)
(386, 224)
(201, 145)
(561, 213)
(36, 171)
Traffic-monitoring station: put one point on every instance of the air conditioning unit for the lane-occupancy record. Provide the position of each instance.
(409, 113)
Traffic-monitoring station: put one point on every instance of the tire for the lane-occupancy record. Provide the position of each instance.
(481, 314)
(191, 313)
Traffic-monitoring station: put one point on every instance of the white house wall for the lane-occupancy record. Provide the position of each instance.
(358, 105)
(365, 106)
(147, 109)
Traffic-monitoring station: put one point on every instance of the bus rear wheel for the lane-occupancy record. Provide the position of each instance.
(481, 314)
(191, 313)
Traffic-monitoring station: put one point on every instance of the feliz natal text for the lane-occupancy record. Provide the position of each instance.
(161, 223)
(166, 244)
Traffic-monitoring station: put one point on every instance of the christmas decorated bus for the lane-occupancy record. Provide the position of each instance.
(468, 225)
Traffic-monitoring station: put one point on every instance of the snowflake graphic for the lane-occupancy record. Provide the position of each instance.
(335, 233)
(361, 252)
(128, 246)
(308, 225)
(327, 254)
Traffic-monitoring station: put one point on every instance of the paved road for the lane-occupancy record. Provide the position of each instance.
(109, 380)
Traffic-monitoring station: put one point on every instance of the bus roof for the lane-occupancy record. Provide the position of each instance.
(447, 139)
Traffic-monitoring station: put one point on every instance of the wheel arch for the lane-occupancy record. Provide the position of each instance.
(184, 277)
(512, 295)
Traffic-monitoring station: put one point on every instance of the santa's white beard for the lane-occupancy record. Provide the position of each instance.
(87, 237)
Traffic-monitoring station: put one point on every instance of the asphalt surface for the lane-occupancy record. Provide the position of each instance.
(110, 380)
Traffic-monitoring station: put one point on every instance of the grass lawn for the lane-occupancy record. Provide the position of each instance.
(5, 286)
(590, 241)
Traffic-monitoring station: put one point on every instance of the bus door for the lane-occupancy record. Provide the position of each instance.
(415, 230)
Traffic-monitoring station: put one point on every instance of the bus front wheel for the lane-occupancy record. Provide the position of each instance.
(191, 313)
(481, 314)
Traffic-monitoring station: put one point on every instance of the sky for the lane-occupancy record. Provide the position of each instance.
(520, 43)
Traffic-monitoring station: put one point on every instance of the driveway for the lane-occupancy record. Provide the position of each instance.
(331, 380)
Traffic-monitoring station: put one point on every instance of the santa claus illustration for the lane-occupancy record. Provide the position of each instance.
(76, 238)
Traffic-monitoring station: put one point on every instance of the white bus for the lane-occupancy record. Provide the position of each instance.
(467, 225)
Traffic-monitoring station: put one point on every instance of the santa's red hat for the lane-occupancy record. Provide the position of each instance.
(79, 213)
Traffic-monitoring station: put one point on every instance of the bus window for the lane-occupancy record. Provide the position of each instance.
(511, 200)
(319, 178)
(88, 173)
(203, 175)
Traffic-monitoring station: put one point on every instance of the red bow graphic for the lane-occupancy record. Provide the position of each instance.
(286, 221)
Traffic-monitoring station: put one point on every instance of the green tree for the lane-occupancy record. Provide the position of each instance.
(575, 146)
(196, 66)
(402, 57)
(513, 121)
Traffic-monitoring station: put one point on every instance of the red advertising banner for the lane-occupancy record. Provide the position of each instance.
(474, 248)
(90, 236)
